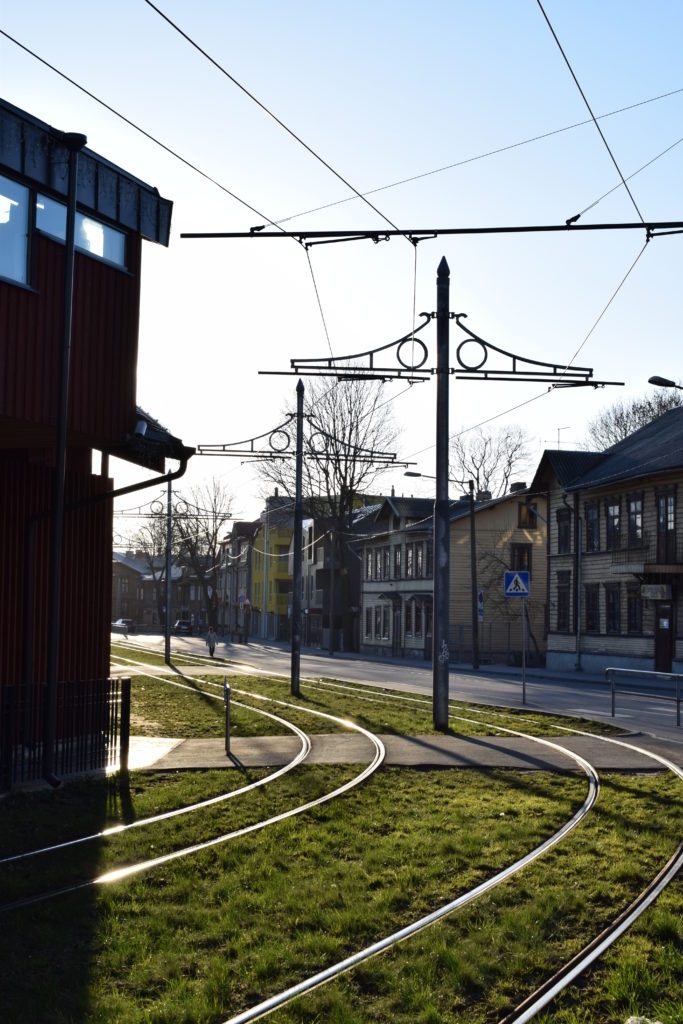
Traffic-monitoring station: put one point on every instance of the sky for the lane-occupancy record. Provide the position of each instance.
(446, 94)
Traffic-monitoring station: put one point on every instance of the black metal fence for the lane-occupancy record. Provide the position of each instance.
(89, 723)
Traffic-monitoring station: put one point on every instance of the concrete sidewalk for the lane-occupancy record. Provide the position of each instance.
(408, 751)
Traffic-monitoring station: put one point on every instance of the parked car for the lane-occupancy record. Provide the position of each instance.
(123, 626)
(183, 627)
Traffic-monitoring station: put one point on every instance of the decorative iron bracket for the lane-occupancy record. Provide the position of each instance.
(280, 443)
(472, 356)
(473, 353)
(410, 354)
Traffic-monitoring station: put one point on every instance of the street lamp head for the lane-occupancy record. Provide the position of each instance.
(412, 472)
(663, 382)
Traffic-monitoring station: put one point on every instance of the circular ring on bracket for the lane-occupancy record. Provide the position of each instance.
(156, 508)
(279, 440)
(465, 365)
(318, 447)
(412, 342)
(180, 508)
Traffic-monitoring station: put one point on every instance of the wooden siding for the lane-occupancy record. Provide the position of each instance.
(26, 491)
(103, 352)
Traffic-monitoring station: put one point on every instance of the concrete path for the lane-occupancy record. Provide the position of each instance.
(412, 751)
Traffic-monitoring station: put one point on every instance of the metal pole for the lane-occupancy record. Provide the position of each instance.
(298, 529)
(523, 650)
(226, 701)
(473, 569)
(579, 569)
(441, 655)
(331, 603)
(264, 614)
(169, 527)
(124, 748)
(74, 143)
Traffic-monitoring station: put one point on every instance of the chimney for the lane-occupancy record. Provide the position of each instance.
(483, 495)
(516, 488)
(393, 494)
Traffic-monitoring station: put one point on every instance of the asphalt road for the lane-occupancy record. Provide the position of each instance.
(571, 694)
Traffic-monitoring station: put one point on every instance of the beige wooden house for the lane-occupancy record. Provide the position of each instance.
(615, 552)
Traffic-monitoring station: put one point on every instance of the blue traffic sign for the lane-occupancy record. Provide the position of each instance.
(517, 583)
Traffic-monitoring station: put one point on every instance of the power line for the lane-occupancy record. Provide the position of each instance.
(482, 156)
(266, 110)
(588, 107)
(137, 128)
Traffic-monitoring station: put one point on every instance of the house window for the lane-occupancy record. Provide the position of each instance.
(386, 563)
(409, 619)
(368, 622)
(14, 225)
(409, 561)
(368, 564)
(378, 564)
(612, 514)
(666, 527)
(418, 559)
(563, 532)
(592, 603)
(386, 615)
(520, 557)
(612, 608)
(428, 619)
(430, 559)
(418, 620)
(91, 236)
(634, 610)
(378, 622)
(397, 561)
(527, 518)
(635, 521)
(124, 584)
(592, 526)
(563, 600)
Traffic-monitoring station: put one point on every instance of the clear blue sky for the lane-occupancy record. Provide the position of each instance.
(384, 92)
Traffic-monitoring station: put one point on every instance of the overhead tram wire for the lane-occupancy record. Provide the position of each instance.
(157, 142)
(137, 128)
(338, 202)
(484, 156)
(588, 107)
(543, 394)
(278, 121)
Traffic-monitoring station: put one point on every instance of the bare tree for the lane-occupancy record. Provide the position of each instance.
(150, 539)
(206, 510)
(622, 418)
(491, 458)
(342, 421)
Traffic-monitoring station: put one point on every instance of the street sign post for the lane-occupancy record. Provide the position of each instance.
(517, 584)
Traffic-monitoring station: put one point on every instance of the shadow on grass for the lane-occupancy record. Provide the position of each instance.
(49, 945)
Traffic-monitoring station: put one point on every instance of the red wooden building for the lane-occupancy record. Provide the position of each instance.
(114, 212)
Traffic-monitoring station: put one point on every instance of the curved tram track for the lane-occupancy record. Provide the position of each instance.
(534, 1003)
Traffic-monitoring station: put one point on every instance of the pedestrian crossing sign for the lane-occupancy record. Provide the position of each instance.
(517, 583)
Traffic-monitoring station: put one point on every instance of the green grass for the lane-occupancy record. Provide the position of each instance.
(197, 939)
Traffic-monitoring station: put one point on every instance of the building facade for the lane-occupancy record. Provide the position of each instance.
(615, 552)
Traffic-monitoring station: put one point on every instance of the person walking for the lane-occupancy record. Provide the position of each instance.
(211, 640)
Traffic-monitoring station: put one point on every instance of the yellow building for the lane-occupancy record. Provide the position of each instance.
(271, 580)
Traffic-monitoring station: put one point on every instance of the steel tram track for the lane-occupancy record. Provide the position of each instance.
(533, 1004)
(569, 971)
(139, 867)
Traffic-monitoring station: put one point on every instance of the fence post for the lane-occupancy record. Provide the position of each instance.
(125, 724)
(226, 701)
